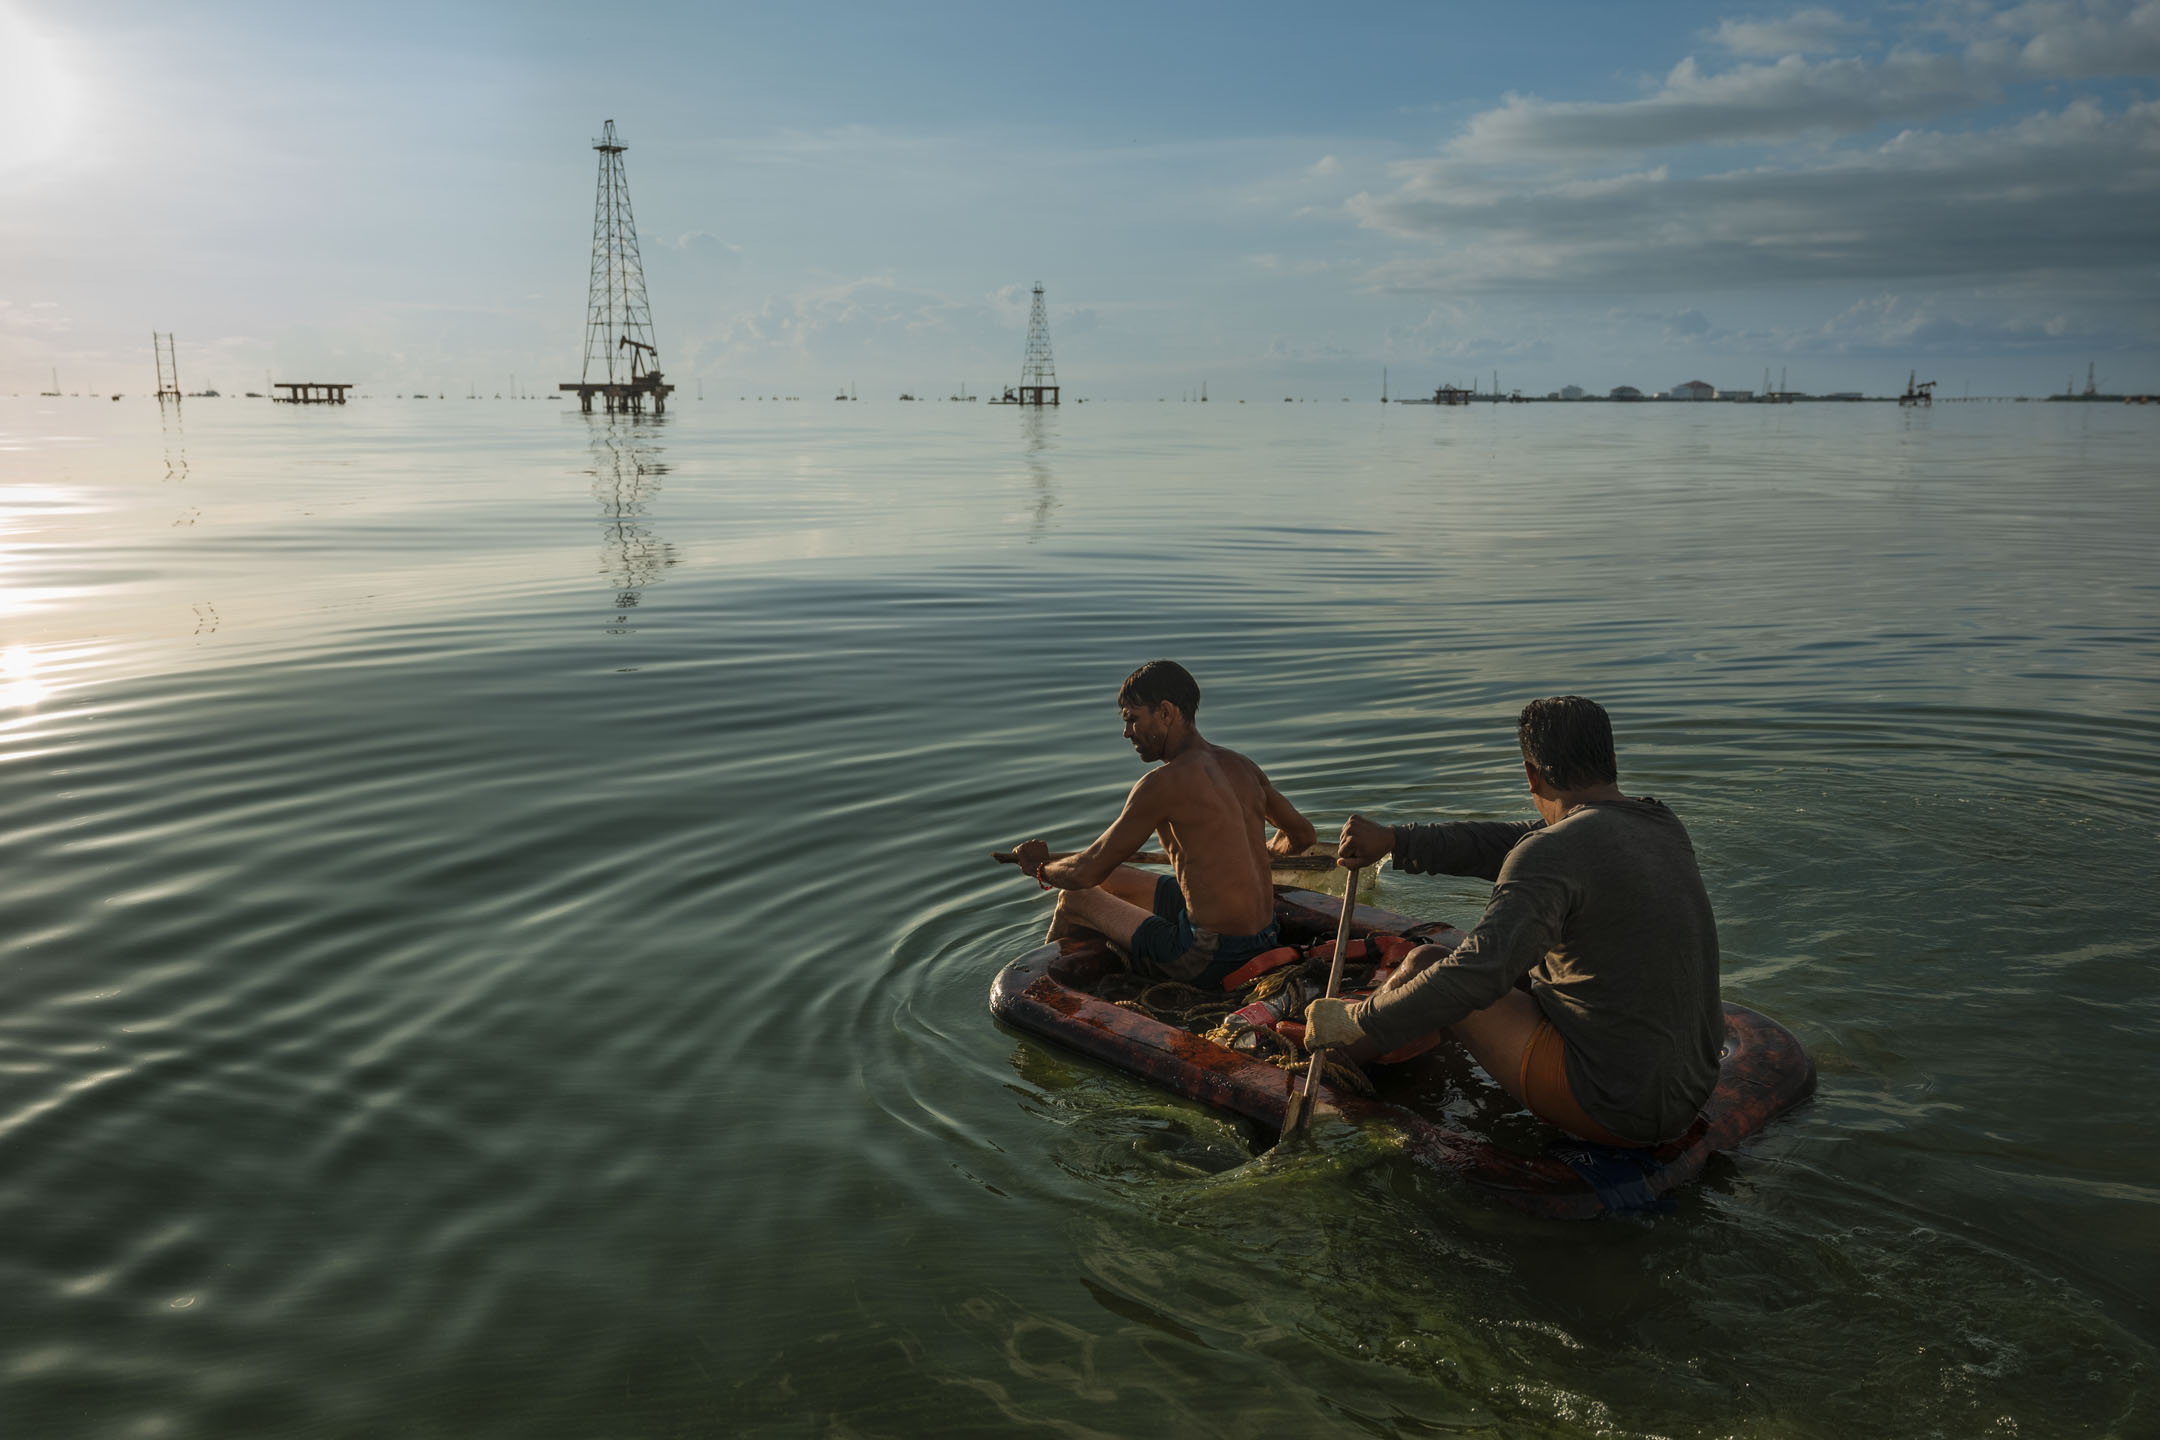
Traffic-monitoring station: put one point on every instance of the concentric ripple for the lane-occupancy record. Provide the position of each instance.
(499, 918)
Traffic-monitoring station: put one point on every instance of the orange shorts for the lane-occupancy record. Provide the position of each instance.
(1545, 1089)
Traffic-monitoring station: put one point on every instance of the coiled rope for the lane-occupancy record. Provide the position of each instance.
(1203, 1012)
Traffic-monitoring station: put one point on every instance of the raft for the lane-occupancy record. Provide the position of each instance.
(1763, 1071)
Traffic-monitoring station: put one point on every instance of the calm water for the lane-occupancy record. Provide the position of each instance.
(496, 930)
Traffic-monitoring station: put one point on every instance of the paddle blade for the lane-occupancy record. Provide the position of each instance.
(1297, 1119)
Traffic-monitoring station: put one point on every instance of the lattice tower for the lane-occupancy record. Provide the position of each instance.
(1037, 368)
(619, 346)
(168, 366)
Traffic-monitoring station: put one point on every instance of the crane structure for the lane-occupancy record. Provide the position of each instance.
(1038, 374)
(622, 362)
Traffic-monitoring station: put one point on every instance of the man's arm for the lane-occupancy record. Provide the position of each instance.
(1520, 924)
(1464, 847)
(1146, 807)
(1294, 834)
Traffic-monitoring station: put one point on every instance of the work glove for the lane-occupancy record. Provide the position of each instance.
(1328, 1025)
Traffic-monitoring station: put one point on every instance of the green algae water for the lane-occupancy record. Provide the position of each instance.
(497, 930)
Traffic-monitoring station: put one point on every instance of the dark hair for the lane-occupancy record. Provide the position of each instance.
(1161, 680)
(1570, 740)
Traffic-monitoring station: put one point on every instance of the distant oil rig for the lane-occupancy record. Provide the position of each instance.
(1038, 376)
(2091, 392)
(622, 364)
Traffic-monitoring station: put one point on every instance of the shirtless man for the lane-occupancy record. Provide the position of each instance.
(1211, 807)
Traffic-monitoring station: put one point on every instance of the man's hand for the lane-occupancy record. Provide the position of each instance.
(1031, 856)
(1282, 844)
(1364, 842)
(1328, 1025)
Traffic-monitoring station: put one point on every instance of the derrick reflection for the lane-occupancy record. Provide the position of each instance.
(627, 471)
(1038, 436)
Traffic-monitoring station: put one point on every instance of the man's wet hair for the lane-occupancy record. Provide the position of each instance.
(1157, 681)
(1570, 740)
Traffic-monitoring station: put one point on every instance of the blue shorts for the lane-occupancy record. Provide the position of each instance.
(1169, 944)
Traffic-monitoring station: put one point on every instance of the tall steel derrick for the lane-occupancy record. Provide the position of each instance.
(168, 367)
(622, 363)
(1038, 375)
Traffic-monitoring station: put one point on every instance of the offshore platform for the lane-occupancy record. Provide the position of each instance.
(1038, 376)
(622, 364)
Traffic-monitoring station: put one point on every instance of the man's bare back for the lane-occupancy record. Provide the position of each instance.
(1214, 804)
(1211, 807)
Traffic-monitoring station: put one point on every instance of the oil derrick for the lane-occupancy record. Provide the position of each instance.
(622, 365)
(168, 367)
(1038, 376)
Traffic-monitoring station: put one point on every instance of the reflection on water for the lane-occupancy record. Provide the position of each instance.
(626, 475)
(175, 437)
(379, 1054)
(1038, 437)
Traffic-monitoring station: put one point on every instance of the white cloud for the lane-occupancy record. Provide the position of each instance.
(43, 316)
(1892, 325)
(1290, 349)
(1796, 97)
(2075, 190)
(704, 245)
(1804, 32)
(1789, 99)
(1326, 165)
(2073, 38)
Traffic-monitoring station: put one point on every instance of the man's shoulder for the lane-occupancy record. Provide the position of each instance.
(1236, 760)
(1202, 772)
(1602, 824)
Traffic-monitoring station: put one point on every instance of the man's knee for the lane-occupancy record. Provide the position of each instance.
(1092, 907)
(1497, 1036)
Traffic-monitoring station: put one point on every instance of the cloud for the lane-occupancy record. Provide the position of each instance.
(704, 245)
(1894, 326)
(1288, 348)
(1688, 322)
(2075, 190)
(1011, 304)
(1448, 332)
(875, 320)
(43, 316)
(1789, 99)
(1796, 97)
(1326, 165)
(1804, 32)
(1891, 326)
(2070, 39)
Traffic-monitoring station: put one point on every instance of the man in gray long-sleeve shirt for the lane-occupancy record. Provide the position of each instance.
(1600, 908)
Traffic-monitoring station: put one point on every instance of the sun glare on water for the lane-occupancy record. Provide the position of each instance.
(20, 687)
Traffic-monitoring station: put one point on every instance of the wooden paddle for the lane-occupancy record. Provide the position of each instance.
(1156, 857)
(1298, 1119)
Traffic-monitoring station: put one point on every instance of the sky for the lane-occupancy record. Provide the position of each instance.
(1270, 199)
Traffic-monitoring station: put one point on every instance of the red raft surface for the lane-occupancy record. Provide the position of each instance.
(1762, 1073)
